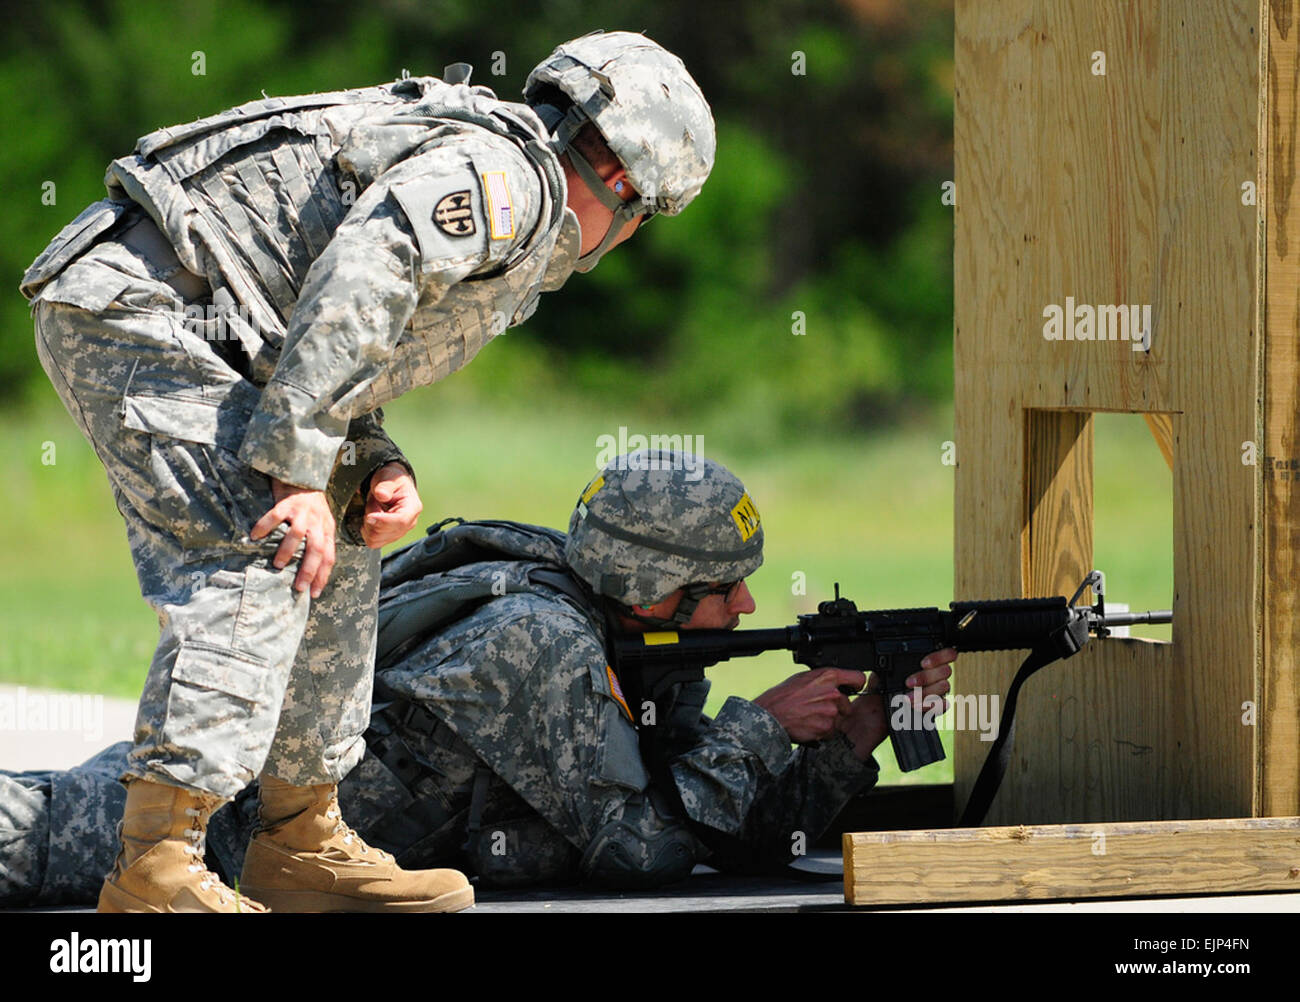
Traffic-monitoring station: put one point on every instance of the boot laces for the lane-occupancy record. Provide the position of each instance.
(195, 848)
(349, 836)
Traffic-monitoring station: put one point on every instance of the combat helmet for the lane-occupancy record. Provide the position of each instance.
(653, 521)
(647, 108)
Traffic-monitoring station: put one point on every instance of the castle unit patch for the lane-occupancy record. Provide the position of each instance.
(454, 215)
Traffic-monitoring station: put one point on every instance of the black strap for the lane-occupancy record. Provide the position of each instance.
(567, 584)
(403, 826)
(477, 801)
(422, 815)
(999, 757)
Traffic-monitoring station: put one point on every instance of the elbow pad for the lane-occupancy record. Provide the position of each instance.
(640, 849)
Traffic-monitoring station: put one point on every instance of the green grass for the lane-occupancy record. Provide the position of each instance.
(871, 512)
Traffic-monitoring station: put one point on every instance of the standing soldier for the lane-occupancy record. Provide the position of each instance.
(224, 329)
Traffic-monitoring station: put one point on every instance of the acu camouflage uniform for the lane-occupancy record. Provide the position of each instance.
(256, 285)
(516, 699)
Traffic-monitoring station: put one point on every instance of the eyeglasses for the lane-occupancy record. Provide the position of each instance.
(727, 588)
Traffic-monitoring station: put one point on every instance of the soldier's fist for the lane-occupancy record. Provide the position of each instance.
(392, 506)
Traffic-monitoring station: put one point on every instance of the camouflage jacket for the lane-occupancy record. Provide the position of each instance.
(357, 244)
(524, 681)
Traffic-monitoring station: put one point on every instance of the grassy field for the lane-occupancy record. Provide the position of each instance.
(872, 512)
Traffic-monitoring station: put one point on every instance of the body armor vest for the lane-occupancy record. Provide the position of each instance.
(250, 198)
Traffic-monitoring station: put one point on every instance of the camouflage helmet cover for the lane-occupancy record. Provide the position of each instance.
(653, 521)
(647, 107)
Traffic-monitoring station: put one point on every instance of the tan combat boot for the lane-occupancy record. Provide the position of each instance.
(160, 865)
(303, 858)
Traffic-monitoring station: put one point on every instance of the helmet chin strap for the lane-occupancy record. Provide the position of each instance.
(564, 125)
(623, 212)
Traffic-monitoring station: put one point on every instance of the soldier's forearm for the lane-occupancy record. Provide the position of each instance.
(356, 301)
(366, 449)
(792, 810)
(720, 776)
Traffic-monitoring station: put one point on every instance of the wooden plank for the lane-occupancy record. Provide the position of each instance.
(1207, 259)
(1018, 862)
(1112, 190)
(1279, 206)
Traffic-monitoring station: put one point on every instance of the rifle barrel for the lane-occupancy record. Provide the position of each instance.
(1129, 618)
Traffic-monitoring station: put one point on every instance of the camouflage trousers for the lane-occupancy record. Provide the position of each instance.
(59, 835)
(58, 828)
(249, 675)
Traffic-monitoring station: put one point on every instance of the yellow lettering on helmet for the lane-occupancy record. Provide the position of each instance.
(746, 517)
(591, 490)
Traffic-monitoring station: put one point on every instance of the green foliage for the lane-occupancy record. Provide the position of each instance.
(81, 82)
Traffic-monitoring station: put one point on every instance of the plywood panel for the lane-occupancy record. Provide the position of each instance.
(1111, 190)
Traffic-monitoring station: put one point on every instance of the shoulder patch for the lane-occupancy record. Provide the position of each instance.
(454, 215)
(500, 208)
(445, 210)
(616, 691)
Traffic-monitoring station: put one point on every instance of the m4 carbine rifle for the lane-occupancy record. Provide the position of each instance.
(891, 642)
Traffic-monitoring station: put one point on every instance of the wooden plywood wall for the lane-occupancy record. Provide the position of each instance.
(1126, 188)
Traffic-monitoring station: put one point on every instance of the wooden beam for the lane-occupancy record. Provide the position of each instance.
(1039, 862)
(1278, 752)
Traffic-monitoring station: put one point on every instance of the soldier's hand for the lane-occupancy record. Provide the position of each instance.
(867, 723)
(392, 507)
(810, 704)
(310, 519)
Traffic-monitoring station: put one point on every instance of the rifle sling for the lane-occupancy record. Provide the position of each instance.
(999, 756)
